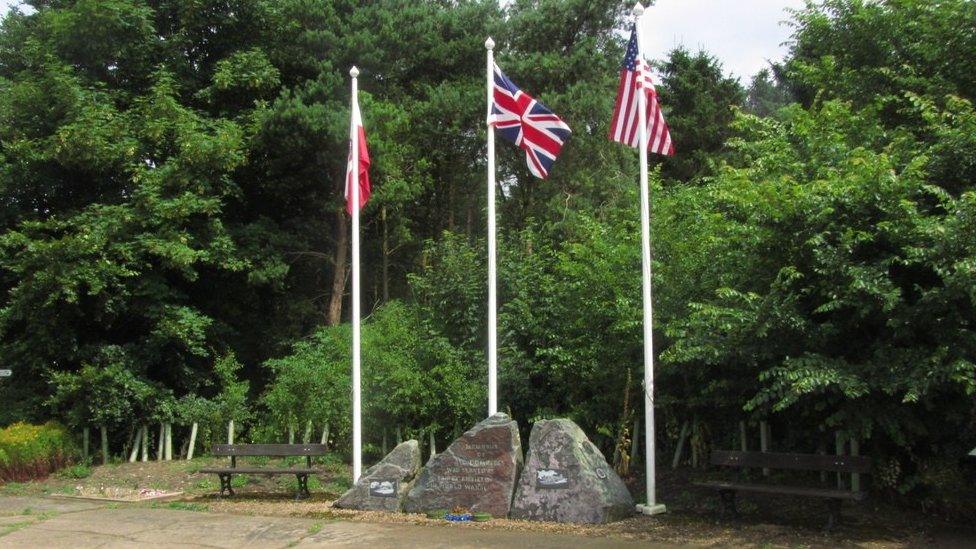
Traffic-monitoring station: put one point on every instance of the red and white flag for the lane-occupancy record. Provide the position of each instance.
(357, 132)
(635, 77)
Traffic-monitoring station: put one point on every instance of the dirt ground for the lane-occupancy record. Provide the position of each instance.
(692, 517)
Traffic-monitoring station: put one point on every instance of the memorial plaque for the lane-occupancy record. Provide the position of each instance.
(477, 472)
(560, 456)
(383, 486)
(548, 479)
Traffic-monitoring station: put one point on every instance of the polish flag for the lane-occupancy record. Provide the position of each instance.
(357, 132)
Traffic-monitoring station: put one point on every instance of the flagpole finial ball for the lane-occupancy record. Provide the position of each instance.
(638, 10)
(490, 44)
(354, 72)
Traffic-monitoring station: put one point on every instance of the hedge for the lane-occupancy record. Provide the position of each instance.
(33, 451)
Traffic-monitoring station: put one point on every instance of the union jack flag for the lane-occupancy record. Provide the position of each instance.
(635, 77)
(528, 124)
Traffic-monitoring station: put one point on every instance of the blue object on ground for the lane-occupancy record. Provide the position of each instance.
(458, 518)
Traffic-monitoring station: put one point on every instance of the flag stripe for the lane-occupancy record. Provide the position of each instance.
(635, 78)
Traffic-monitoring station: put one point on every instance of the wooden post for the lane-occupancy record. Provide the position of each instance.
(230, 432)
(193, 441)
(855, 477)
(694, 447)
(104, 431)
(135, 446)
(433, 444)
(681, 446)
(145, 442)
(822, 450)
(169, 441)
(743, 439)
(84, 443)
(839, 446)
(764, 441)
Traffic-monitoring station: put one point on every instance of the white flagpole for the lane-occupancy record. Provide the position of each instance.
(357, 428)
(492, 289)
(652, 507)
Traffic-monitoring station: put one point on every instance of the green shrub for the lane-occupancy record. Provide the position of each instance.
(33, 451)
(76, 471)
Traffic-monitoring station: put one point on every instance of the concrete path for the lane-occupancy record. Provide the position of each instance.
(53, 523)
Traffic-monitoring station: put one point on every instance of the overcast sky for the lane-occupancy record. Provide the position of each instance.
(744, 34)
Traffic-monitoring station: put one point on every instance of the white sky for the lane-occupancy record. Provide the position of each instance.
(743, 34)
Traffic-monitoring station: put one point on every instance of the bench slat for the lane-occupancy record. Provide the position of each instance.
(259, 470)
(275, 450)
(786, 490)
(804, 462)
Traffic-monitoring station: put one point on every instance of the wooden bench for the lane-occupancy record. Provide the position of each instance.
(266, 450)
(797, 462)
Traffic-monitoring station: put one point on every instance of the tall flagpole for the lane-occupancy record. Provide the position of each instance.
(492, 289)
(357, 428)
(652, 507)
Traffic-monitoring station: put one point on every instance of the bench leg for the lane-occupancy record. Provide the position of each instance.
(833, 513)
(302, 487)
(225, 487)
(728, 503)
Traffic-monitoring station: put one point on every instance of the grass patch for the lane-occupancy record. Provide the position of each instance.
(315, 528)
(15, 488)
(181, 506)
(9, 528)
(76, 471)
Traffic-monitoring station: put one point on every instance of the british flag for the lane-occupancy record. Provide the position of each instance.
(528, 124)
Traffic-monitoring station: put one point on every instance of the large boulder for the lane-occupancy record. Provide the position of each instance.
(567, 479)
(383, 486)
(477, 472)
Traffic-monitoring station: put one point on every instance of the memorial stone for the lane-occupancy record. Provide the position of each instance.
(477, 472)
(383, 486)
(567, 479)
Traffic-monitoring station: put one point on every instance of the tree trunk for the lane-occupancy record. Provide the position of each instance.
(839, 445)
(855, 477)
(681, 445)
(399, 435)
(104, 431)
(386, 447)
(634, 445)
(161, 442)
(433, 444)
(193, 441)
(742, 437)
(325, 435)
(230, 432)
(169, 442)
(135, 446)
(307, 437)
(85, 435)
(145, 443)
(764, 442)
(334, 314)
(386, 256)
(291, 434)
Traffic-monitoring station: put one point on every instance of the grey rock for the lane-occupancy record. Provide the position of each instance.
(567, 479)
(477, 472)
(383, 486)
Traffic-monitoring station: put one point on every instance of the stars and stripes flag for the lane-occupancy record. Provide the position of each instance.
(528, 124)
(356, 131)
(635, 77)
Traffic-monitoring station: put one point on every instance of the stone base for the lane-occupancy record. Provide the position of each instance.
(655, 509)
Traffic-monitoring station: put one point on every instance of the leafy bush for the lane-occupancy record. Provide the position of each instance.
(76, 471)
(33, 451)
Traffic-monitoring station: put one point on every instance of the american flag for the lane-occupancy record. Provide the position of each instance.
(528, 124)
(635, 75)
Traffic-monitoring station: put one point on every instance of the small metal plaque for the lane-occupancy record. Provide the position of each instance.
(551, 478)
(601, 474)
(6, 373)
(383, 488)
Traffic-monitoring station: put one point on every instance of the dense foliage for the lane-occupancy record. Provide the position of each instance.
(173, 244)
(33, 451)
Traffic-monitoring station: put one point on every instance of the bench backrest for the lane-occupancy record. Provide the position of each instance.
(802, 462)
(270, 450)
